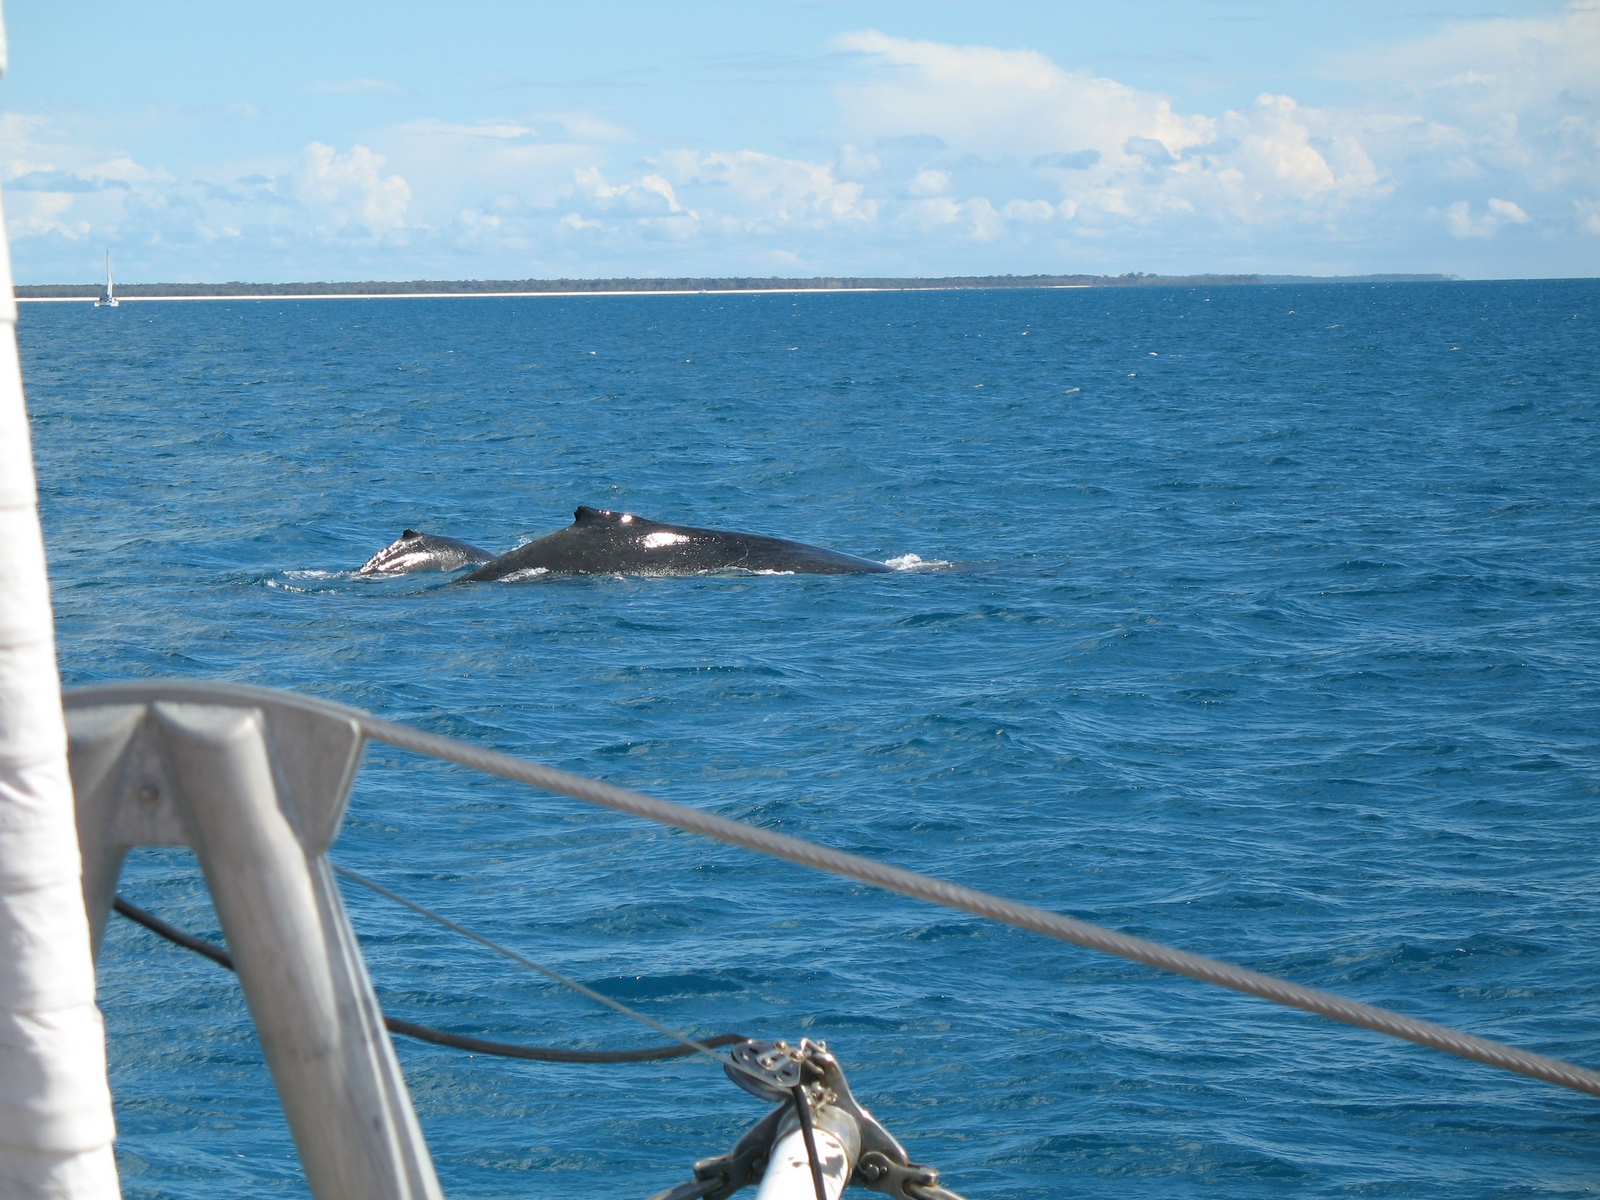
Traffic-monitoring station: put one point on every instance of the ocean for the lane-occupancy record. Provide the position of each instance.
(1264, 621)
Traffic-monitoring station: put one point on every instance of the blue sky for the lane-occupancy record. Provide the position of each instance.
(418, 139)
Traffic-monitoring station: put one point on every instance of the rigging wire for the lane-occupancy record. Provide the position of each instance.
(802, 1110)
(987, 905)
(689, 1046)
(425, 1033)
(727, 1061)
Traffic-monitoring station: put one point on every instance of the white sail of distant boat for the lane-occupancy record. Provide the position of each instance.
(108, 298)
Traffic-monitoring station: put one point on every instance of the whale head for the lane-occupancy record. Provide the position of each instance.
(416, 551)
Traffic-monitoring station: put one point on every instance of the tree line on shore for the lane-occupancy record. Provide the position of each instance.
(654, 284)
(727, 283)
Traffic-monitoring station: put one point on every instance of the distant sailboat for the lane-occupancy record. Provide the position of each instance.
(108, 298)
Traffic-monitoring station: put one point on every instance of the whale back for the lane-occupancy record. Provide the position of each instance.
(416, 551)
(602, 542)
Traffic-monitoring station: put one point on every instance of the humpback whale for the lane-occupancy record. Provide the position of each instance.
(601, 542)
(423, 552)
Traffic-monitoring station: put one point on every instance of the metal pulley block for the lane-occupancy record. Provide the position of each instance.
(856, 1148)
(768, 1070)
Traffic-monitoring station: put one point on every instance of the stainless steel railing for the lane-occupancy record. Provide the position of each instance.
(256, 782)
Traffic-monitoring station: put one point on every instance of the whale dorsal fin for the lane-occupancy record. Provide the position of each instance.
(407, 534)
(586, 514)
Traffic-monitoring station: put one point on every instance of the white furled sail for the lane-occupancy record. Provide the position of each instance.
(56, 1125)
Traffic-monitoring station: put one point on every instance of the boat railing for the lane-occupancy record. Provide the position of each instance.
(256, 782)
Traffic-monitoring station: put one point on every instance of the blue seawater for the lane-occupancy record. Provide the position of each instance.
(1271, 629)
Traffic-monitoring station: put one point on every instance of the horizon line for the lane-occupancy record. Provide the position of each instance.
(675, 285)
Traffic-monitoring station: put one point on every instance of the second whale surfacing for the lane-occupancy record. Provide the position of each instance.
(601, 542)
(423, 552)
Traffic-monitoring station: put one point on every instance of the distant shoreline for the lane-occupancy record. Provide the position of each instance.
(422, 288)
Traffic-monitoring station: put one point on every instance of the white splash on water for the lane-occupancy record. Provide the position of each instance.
(915, 562)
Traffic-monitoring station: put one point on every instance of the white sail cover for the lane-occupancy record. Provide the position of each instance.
(55, 1107)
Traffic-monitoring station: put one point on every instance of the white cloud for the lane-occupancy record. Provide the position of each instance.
(38, 154)
(1514, 93)
(650, 195)
(64, 192)
(582, 127)
(855, 163)
(545, 129)
(1032, 210)
(1112, 152)
(1461, 223)
(348, 193)
(610, 214)
(497, 185)
(765, 190)
(43, 214)
(712, 201)
(938, 158)
(987, 224)
(989, 101)
(57, 187)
